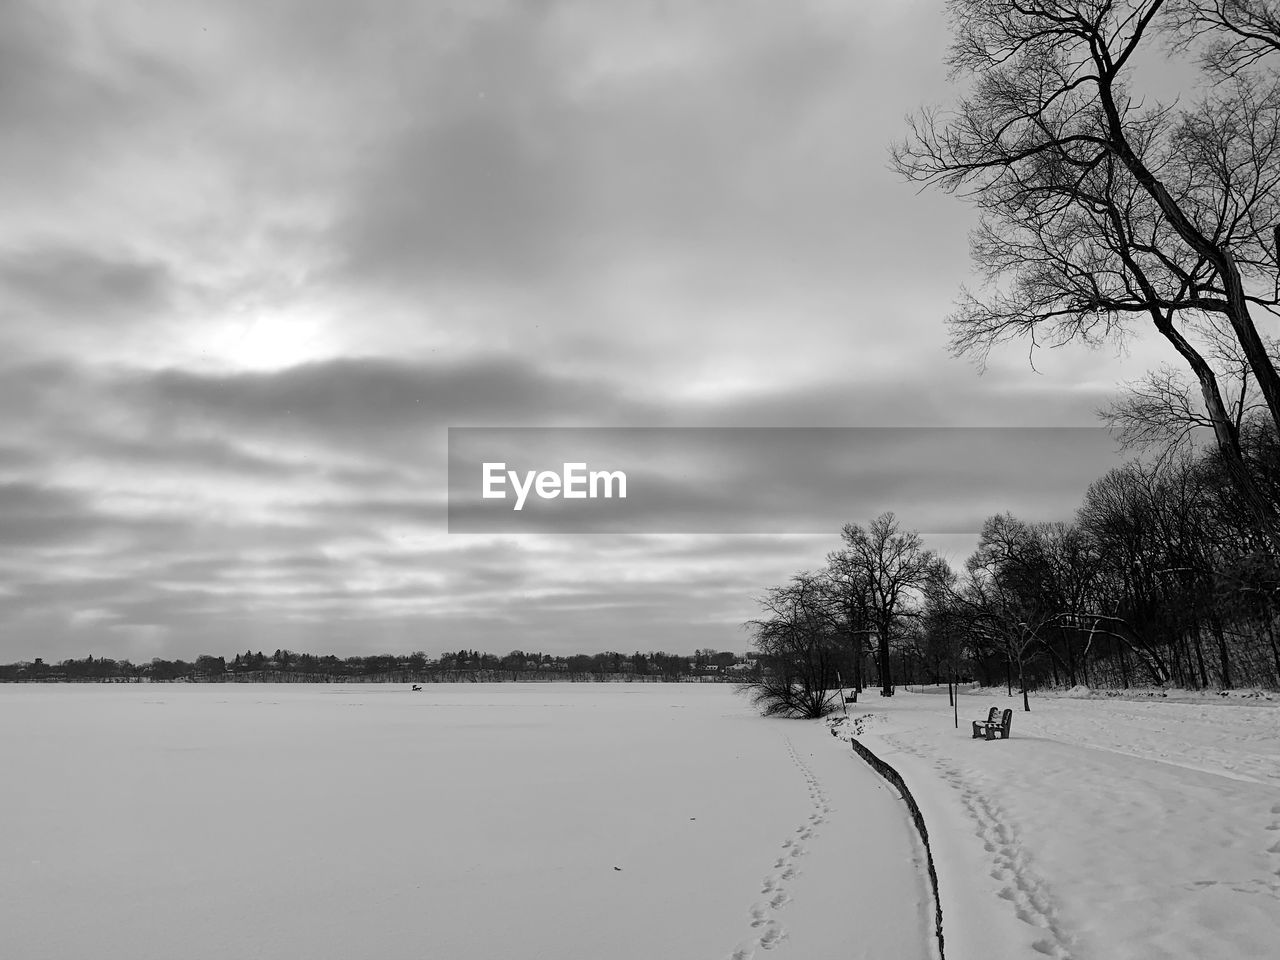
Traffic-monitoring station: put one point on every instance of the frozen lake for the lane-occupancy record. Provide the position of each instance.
(563, 821)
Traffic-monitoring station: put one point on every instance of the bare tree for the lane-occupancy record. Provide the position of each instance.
(1097, 208)
(1006, 590)
(851, 600)
(944, 624)
(1231, 36)
(798, 643)
(1160, 413)
(894, 566)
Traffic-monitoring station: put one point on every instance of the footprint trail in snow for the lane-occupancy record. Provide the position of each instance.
(1028, 894)
(768, 933)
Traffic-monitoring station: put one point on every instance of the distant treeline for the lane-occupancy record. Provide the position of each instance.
(1163, 577)
(285, 666)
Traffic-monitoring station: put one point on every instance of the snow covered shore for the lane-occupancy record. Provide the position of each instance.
(469, 822)
(1102, 828)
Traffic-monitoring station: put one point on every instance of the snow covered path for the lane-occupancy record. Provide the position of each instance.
(1101, 829)
(469, 822)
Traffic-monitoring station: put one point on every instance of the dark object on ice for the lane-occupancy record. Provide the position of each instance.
(619, 869)
(417, 687)
(990, 727)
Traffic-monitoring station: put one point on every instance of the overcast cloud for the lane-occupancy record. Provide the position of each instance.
(257, 258)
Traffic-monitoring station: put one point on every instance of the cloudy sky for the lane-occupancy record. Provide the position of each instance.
(258, 257)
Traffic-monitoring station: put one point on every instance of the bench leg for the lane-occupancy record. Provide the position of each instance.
(991, 733)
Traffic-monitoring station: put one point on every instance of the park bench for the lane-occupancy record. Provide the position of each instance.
(991, 727)
(992, 716)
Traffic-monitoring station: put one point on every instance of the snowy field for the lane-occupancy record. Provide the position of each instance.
(1101, 829)
(471, 822)
(617, 821)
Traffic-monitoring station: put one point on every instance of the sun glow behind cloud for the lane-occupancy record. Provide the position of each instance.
(266, 340)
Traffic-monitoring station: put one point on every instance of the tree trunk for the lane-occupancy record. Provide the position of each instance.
(1225, 432)
(1176, 662)
(1204, 676)
(1271, 635)
(859, 656)
(1223, 656)
(886, 671)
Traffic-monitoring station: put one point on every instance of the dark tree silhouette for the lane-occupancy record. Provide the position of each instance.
(893, 566)
(1099, 207)
(799, 649)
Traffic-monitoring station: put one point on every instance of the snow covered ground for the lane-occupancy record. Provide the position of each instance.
(1102, 829)
(471, 822)
(618, 821)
